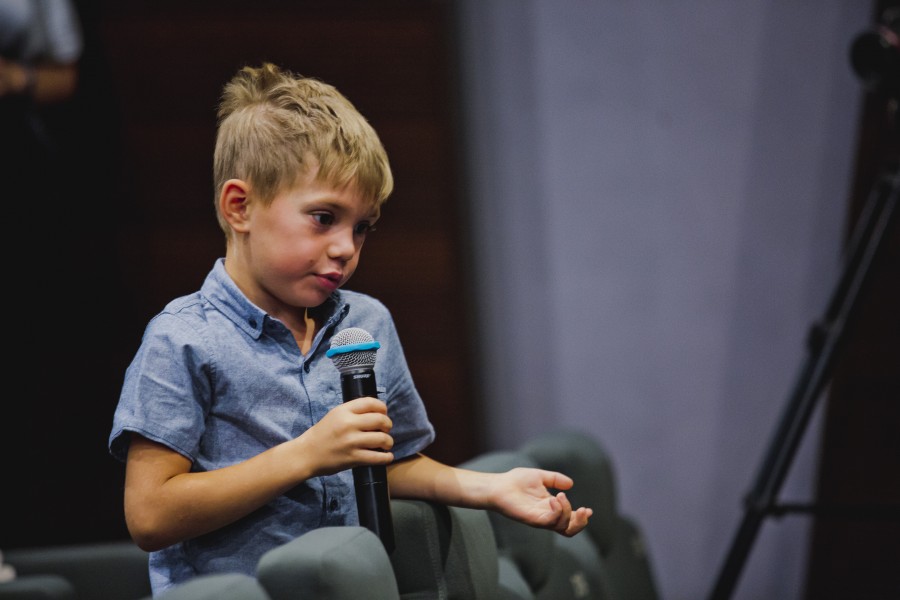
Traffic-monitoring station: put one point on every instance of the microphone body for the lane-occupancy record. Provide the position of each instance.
(370, 482)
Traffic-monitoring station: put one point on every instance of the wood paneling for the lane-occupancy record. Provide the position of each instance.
(152, 77)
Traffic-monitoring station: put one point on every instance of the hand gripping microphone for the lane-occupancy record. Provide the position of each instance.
(353, 353)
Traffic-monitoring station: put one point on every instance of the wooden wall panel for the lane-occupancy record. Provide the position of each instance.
(152, 77)
(392, 59)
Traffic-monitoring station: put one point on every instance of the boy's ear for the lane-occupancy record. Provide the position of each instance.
(234, 204)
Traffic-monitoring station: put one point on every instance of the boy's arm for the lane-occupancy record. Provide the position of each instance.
(166, 503)
(519, 494)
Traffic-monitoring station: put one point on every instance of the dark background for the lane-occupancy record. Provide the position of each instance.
(126, 223)
(855, 546)
(98, 247)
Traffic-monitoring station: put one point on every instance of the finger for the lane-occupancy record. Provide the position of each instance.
(564, 517)
(556, 518)
(578, 521)
(556, 481)
(374, 422)
(366, 404)
(375, 457)
(564, 502)
(374, 440)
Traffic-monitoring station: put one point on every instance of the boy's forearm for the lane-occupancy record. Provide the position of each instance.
(190, 504)
(422, 478)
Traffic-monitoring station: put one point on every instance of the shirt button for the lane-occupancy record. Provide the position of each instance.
(333, 505)
(252, 322)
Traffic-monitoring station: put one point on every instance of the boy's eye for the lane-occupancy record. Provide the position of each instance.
(324, 218)
(363, 228)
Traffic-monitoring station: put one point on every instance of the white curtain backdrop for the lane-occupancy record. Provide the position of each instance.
(657, 195)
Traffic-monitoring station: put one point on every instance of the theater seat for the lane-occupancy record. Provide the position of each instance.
(552, 566)
(331, 563)
(227, 586)
(626, 566)
(628, 563)
(97, 571)
(442, 552)
(37, 587)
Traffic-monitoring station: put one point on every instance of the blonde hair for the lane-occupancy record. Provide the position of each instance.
(273, 125)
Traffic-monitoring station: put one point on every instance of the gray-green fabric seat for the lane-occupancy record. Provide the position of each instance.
(330, 563)
(442, 552)
(582, 458)
(38, 587)
(554, 567)
(626, 568)
(97, 571)
(225, 586)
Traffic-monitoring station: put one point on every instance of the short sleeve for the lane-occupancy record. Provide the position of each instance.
(166, 393)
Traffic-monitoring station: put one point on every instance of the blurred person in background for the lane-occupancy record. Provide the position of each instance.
(41, 44)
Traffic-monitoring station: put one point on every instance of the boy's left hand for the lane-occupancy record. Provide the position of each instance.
(522, 494)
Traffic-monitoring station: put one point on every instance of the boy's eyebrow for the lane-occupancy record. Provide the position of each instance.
(372, 215)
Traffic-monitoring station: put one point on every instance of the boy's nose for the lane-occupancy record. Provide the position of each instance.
(342, 245)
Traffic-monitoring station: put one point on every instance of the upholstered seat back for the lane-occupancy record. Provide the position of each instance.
(442, 552)
(331, 562)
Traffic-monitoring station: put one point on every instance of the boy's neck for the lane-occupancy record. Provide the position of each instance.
(309, 333)
(303, 326)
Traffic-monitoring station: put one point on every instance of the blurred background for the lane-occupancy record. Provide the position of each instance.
(625, 218)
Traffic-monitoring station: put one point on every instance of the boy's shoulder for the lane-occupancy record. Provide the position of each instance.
(183, 305)
(183, 309)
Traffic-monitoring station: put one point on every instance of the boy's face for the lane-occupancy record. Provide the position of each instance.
(305, 244)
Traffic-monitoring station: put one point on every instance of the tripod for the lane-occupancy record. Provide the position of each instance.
(869, 236)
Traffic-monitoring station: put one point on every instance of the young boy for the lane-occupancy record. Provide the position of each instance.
(231, 419)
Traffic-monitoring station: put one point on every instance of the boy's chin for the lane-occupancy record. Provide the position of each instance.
(314, 300)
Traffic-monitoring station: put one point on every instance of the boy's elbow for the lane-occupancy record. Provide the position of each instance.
(149, 540)
(147, 532)
(144, 543)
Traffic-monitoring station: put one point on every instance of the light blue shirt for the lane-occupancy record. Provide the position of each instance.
(218, 380)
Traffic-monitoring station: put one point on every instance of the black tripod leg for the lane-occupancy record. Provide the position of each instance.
(869, 234)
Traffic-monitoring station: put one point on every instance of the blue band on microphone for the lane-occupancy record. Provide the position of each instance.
(373, 345)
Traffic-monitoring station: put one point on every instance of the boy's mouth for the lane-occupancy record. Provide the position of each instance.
(330, 280)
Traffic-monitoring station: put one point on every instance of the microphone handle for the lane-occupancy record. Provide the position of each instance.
(373, 501)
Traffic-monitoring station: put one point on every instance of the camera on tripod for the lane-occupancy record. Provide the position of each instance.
(875, 55)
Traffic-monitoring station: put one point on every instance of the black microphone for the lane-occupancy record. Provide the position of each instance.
(353, 353)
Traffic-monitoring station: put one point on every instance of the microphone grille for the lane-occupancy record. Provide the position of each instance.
(345, 354)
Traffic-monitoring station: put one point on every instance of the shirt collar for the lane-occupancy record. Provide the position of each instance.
(223, 293)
